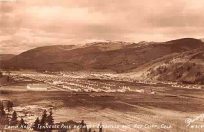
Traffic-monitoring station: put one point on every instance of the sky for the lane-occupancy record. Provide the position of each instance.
(26, 24)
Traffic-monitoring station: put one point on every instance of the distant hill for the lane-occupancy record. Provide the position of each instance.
(187, 67)
(4, 57)
(176, 60)
(100, 56)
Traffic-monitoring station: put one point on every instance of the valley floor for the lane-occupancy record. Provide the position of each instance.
(134, 107)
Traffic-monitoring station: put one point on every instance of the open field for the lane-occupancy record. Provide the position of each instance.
(127, 105)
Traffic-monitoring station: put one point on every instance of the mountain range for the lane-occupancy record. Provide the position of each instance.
(175, 60)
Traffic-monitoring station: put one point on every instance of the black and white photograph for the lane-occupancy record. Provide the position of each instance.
(101, 66)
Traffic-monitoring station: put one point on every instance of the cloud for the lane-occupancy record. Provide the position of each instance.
(69, 21)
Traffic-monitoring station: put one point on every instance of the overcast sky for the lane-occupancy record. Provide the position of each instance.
(25, 24)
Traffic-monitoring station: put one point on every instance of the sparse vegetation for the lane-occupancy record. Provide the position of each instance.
(44, 124)
(185, 72)
(14, 119)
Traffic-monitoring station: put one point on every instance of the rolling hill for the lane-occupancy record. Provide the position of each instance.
(100, 56)
(187, 67)
(179, 60)
(4, 57)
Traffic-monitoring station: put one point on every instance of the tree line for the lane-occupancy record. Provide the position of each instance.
(44, 123)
